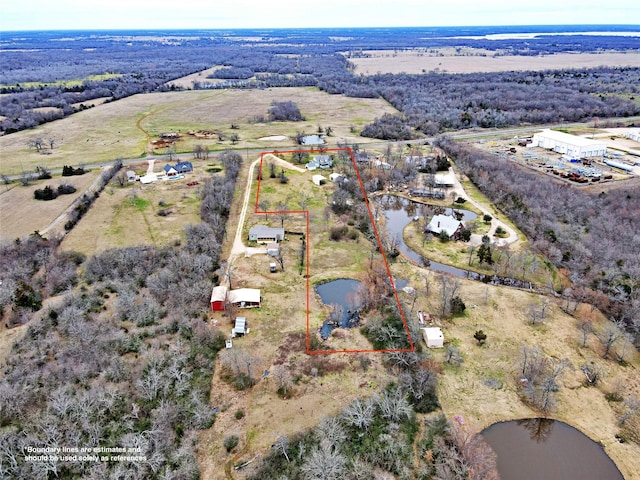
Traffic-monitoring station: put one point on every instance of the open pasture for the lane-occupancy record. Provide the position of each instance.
(120, 129)
(472, 61)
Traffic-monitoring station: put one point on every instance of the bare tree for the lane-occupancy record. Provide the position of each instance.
(282, 444)
(610, 335)
(586, 328)
(449, 287)
(325, 463)
(360, 413)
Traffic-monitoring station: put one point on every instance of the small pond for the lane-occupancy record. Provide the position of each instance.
(339, 292)
(539, 448)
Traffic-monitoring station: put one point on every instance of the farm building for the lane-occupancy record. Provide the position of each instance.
(433, 337)
(245, 297)
(264, 234)
(633, 134)
(446, 223)
(572, 145)
(242, 297)
(318, 180)
(443, 180)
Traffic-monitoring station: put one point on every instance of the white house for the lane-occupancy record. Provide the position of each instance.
(445, 223)
(318, 180)
(571, 145)
(433, 337)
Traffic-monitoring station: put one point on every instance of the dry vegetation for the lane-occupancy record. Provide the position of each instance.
(501, 313)
(129, 215)
(118, 129)
(474, 60)
(21, 214)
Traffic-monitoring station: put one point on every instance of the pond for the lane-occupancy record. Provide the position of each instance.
(539, 448)
(341, 294)
(400, 211)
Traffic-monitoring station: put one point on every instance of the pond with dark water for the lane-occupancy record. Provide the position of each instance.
(543, 449)
(399, 212)
(340, 292)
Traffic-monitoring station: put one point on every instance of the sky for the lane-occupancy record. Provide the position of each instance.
(219, 14)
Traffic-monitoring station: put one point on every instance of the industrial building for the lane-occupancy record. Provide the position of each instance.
(570, 145)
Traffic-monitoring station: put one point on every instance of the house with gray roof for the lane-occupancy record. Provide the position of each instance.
(264, 234)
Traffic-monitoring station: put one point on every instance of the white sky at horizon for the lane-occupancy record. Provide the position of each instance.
(216, 14)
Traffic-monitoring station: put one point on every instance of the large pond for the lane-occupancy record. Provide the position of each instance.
(400, 211)
(539, 448)
(341, 295)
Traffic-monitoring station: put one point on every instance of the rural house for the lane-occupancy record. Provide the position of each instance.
(446, 223)
(183, 167)
(264, 234)
(169, 171)
(320, 161)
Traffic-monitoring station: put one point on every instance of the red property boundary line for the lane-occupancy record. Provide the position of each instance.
(307, 275)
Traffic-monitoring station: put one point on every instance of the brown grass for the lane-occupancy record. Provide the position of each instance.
(109, 131)
(21, 214)
(415, 61)
(500, 313)
(128, 216)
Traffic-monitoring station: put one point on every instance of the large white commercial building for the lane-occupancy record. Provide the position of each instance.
(570, 145)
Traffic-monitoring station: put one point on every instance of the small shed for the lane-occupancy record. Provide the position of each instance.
(131, 176)
(433, 337)
(337, 177)
(240, 327)
(319, 180)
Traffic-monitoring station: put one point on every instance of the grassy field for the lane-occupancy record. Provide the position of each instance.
(66, 83)
(128, 216)
(119, 129)
(471, 60)
(21, 214)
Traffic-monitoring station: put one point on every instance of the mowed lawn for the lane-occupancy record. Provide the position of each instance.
(119, 129)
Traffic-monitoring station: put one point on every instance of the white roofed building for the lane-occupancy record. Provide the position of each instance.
(571, 145)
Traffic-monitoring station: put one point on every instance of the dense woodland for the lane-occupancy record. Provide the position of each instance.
(124, 360)
(35, 66)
